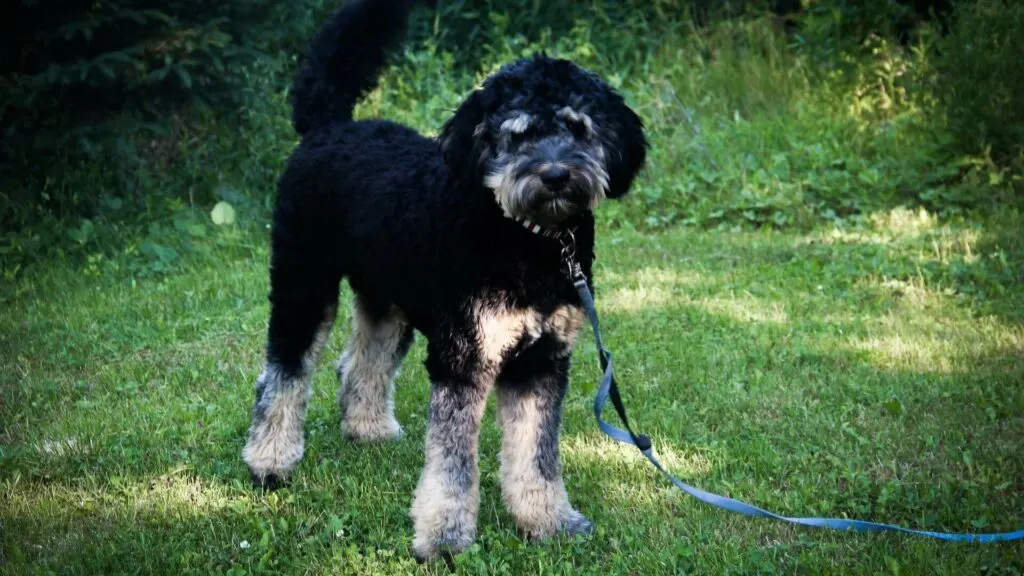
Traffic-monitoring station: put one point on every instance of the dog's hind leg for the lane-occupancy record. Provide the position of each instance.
(380, 339)
(300, 321)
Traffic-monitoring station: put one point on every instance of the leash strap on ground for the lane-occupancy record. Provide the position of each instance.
(608, 389)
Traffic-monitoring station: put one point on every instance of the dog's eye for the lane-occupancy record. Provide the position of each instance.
(577, 127)
(517, 137)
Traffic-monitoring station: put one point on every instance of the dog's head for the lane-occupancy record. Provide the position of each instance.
(547, 137)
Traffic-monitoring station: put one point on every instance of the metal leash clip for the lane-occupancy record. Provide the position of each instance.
(573, 268)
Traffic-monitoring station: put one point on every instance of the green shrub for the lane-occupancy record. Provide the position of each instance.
(748, 126)
(145, 206)
(69, 65)
(979, 77)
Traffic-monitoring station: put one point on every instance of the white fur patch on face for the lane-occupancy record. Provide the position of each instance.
(570, 115)
(497, 179)
(507, 189)
(516, 124)
(599, 175)
(516, 190)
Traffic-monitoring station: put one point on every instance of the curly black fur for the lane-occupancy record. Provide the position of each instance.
(345, 59)
(423, 230)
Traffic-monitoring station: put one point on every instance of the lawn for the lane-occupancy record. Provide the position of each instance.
(792, 370)
(814, 296)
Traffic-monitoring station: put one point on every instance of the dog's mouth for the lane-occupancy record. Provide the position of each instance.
(555, 210)
(534, 192)
(545, 205)
(560, 204)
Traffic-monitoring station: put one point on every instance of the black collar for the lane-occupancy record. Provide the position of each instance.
(566, 238)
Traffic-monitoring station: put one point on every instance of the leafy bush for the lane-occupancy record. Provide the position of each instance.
(749, 126)
(68, 65)
(979, 79)
(146, 206)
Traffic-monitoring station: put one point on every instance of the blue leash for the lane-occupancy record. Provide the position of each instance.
(608, 389)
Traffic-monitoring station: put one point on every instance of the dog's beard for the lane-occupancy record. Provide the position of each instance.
(522, 194)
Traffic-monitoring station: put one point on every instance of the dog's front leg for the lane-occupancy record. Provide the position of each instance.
(445, 506)
(530, 397)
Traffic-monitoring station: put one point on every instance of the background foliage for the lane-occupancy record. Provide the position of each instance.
(124, 122)
(68, 64)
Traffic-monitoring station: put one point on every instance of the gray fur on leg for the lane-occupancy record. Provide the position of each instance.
(366, 372)
(444, 509)
(276, 440)
(531, 478)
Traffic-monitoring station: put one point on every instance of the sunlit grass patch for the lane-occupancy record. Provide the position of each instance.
(644, 288)
(57, 448)
(744, 308)
(603, 452)
(175, 492)
(920, 230)
(924, 333)
(902, 222)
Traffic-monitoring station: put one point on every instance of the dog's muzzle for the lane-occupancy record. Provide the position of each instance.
(549, 181)
(555, 177)
(559, 179)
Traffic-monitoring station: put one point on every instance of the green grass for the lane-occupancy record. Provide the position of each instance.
(811, 373)
(815, 304)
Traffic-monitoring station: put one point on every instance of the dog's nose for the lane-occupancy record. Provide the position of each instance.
(555, 178)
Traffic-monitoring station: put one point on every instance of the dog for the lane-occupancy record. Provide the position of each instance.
(439, 236)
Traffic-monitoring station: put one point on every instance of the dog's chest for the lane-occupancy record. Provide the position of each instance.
(502, 330)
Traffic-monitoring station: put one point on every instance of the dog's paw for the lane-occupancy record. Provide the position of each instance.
(445, 547)
(268, 480)
(367, 431)
(569, 524)
(271, 458)
(444, 525)
(576, 524)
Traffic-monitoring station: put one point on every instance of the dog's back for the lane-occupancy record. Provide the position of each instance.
(347, 176)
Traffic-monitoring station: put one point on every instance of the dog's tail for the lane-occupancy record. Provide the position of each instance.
(345, 60)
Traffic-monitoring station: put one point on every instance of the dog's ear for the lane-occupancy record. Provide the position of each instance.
(625, 150)
(462, 140)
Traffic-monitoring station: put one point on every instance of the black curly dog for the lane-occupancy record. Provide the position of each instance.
(429, 233)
